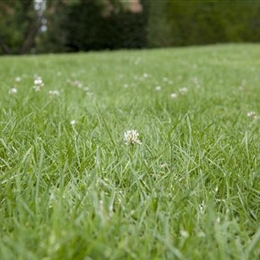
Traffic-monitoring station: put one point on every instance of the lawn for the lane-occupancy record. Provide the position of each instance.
(74, 187)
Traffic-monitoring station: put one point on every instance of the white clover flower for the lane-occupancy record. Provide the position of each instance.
(36, 88)
(251, 114)
(164, 165)
(54, 93)
(174, 95)
(165, 79)
(183, 90)
(12, 90)
(72, 122)
(184, 233)
(158, 88)
(38, 83)
(145, 75)
(131, 137)
(17, 79)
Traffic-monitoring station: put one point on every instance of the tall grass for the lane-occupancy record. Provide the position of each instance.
(72, 189)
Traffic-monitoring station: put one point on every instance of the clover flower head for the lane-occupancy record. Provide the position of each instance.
(131, 137)
(183, 90)
(54, 93)
(38, 83)
(184, 233)
(174, 95)
(17, 79)
(251, 114)
(72, 122)
(158, 88)
(12, 90)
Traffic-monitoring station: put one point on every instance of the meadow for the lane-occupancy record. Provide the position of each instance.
(74, 187)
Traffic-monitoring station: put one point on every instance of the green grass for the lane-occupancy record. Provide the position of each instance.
(191, 190)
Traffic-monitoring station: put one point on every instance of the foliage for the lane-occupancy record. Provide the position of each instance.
(113, 24)
(158, 27)
(94, 29)
(200, 22)
(18, 22)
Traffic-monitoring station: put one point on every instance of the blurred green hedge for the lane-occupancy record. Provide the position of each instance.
(82, 26)
(184, 23)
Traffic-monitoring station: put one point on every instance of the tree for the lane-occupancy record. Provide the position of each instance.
(20, 24)
(21, 21)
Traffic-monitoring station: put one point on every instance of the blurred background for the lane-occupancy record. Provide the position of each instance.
(55, 26)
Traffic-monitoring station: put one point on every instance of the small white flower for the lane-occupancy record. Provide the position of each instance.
(54, 93)
(17, 79)
(36, 88)
(131, 137)
(164, 165)
(38, 83)
(174, 95)
(72, 122)
(145, 75)
(125, 85)
(251, 114)
(184, 233)
(158, 88)
(12, 90)
(183, 90)
(218, 220)
(165, 79)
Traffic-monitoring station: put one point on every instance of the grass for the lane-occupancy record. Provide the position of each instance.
(191, 190)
